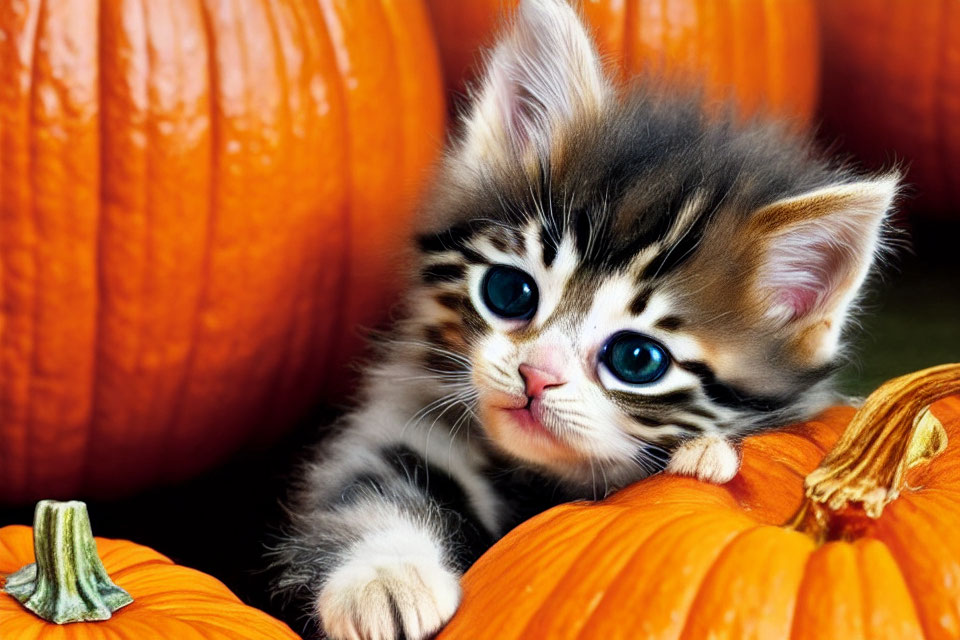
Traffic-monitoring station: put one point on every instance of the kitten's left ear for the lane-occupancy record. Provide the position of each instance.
(815, 252)
(542, 75)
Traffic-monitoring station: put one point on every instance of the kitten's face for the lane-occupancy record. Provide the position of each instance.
(569, 366)
(616, 274)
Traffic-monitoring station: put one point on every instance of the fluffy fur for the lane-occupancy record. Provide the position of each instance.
(733, 246)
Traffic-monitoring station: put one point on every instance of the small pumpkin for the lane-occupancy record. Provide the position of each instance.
(891, 90)
(765, 53)
(70, 594)
(865, 547)
(200, 203)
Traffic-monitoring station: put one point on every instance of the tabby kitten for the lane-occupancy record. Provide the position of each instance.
(609, 285)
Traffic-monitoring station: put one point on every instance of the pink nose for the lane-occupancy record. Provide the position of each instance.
(536, 379)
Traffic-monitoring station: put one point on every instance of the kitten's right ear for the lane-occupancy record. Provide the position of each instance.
(813, 252)
(542, 75)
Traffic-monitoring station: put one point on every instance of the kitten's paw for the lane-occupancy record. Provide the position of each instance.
(708, 458)
(382, 596)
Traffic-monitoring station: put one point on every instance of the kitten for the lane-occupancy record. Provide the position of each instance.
(609, 285)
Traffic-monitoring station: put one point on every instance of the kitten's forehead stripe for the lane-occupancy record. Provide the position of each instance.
(548, 245)
(453, 301)
(456, 238)
(444, 272)
(639, 303)
(687, 240)
(689, 212)
(450, 239)
(500, 242)
(575, 301)
(669, 323)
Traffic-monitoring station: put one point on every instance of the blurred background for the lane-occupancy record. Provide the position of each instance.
(203, 206)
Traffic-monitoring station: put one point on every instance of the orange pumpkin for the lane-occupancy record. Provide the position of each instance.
(674, 558)
(891, 90)
(134, 594)
(765, 53)
(200, 203)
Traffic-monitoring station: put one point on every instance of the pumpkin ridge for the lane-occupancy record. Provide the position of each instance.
(795, 621)
(865, 548)
(305, 26)
(148, 260)
(150, 212)
(625, 575)
(593, 538)
(341, 289)
(531, 527)
(91, 434)
(924, 514)
(319, 337)
(572, 569)
(202, 302)
(858, 547)
(139, 565)
(805, 435)
(115, 552)
(6, 550)
(685, 628)
(31, 433)
(900, 549)
(276, 383)
(784, 461)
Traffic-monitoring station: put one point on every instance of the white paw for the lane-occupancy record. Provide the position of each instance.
(389, 586)
(708, 458)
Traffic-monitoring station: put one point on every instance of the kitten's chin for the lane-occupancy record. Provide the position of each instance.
(518, 430)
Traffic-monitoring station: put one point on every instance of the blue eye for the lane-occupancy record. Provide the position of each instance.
(635, 358)
(509, 293)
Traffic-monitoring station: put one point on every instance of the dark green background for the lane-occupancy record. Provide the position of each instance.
(911, 316)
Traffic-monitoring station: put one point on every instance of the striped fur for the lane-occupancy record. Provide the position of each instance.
(734, 246)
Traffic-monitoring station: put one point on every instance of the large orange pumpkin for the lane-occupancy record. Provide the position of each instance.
(133, 594)
(891, 90)
(765, 53)
(201, 204)
(872, 552)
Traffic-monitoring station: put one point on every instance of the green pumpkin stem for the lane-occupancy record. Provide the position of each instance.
(68, 582)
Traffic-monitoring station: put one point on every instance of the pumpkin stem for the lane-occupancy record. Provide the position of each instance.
(892, 432)
(68, 582)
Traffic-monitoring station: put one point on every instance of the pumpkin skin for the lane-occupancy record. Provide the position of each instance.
(170, 601)
(891, 91)
(200, 202)
(765, 53)
(674, 558)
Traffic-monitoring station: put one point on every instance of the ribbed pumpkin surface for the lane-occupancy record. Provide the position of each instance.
(170, 602)
(673, 558)
(765, 54)
(200, 203)
(891, 90)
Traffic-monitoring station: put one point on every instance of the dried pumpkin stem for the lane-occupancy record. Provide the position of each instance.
(68, 582)
(892, 432)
